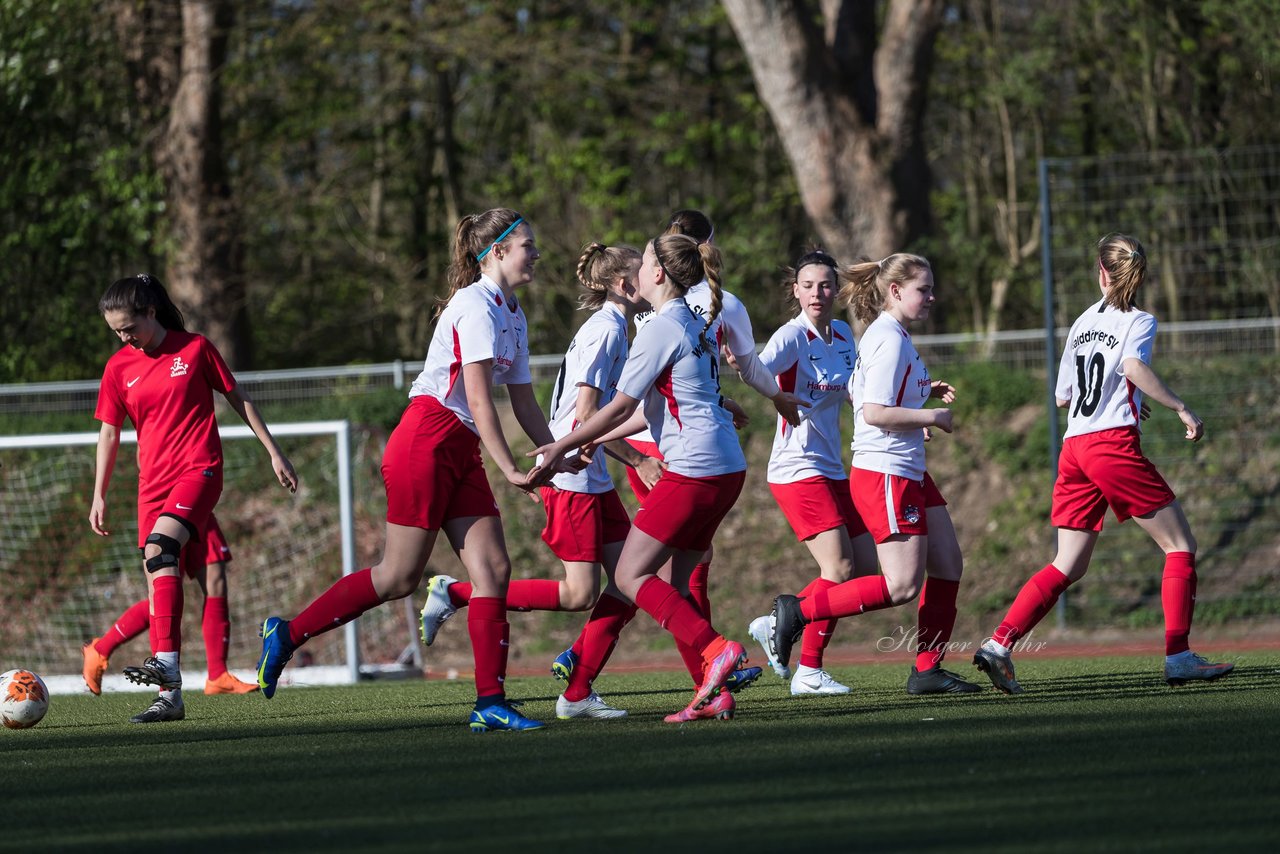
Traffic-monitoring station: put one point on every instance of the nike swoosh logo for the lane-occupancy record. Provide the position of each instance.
(503, 643)
(130, 383)
(272, 632)
(182, 506)
(502, 719)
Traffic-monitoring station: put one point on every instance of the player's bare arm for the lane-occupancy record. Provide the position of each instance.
(108, 448)
(249, 413)
(1148, 381)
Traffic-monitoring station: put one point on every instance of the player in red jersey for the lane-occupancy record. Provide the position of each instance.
(673, 369)
(1104, 372)
(432, 470)
(894, 495)
(163, 380)
(208, 566)
(586, 521)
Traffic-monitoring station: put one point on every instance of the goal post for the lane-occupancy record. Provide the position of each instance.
(64, 585)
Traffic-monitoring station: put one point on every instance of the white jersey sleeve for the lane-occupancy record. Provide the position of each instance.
(732, 329)
(1091, 372)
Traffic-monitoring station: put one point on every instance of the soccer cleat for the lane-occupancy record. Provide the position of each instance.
(999, 668)
(743, 678)
(1189, 667)
(161, 710)
(721, 708)
(718, 670)
(277, 649)
(154, 672)
(501, 716)
(788, 625)
(227, 683)
(591, 707)
(935, 680)
(562, 667)
(95, 666)
(761, 629)
(810, 681)
(438, 608)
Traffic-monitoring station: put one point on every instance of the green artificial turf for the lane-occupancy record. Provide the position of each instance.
(1098, 755)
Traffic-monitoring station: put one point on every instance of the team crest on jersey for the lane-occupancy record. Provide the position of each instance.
(911, 513)
(178, 368)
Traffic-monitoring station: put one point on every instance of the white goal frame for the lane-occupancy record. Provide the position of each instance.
(341, 432)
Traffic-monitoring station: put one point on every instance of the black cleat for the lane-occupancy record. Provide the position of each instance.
(159, 711)
(935, 680)
(788, 625)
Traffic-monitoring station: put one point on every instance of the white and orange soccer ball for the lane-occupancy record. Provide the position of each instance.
(23, 699)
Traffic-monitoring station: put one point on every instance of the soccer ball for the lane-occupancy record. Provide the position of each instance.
(23, 699)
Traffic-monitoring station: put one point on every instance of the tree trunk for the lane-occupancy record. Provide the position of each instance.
(848, 113)
(178, 79)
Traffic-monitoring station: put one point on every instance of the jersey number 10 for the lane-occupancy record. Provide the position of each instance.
(1090, 385)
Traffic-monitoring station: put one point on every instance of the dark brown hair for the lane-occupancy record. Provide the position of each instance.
(138, 294)
(816, 255)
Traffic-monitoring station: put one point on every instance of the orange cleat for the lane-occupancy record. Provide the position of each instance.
(228, 684)
(95, 665)
(721, 707)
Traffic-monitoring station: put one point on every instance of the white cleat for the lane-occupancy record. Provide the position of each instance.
(591, 707)
(761, 629)
(438, 607)
(1188, 667)
(812, 681)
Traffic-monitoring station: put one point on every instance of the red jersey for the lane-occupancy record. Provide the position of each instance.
(168, 395)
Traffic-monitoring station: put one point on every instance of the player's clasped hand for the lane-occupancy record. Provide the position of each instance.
(1195, 427)
(945, 392)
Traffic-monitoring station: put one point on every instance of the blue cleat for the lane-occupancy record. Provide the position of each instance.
(562, 667)
(277, 649)
(743, 678)
(501, 716)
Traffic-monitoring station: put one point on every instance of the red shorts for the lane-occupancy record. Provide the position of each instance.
(889, 504)
(649, 449)
(191, 500)
(579, 524)
(432, 469)
(684, 512)
(818, 504)
(197, 555)
(1105, 468)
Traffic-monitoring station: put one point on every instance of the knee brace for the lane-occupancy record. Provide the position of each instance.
(169, 551)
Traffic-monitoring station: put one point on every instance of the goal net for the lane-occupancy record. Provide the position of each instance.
(63, 585)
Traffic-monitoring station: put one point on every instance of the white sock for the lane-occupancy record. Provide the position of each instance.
(993, 645)
(174, 696)
(804, 670)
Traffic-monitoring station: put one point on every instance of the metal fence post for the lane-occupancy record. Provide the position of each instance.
(1050, 344)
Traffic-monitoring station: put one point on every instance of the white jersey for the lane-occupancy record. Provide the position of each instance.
(731, 327)
(595, 358)
(479, 323)
(889, 372)
(1091, 373)
(676, 373)
(818, 372)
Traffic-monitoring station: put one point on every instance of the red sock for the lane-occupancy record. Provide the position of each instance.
(131, 623)
(490, 635)
(532, 594)
(1178, 595)
(934, 620)
(607, 621)
(460, 593)
(347, 598)
(855, 596)
(216, 627)
(664, 603)
(691, 657)
(1034, 600)
(166, 613)
(817, 634)
(698, 589)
